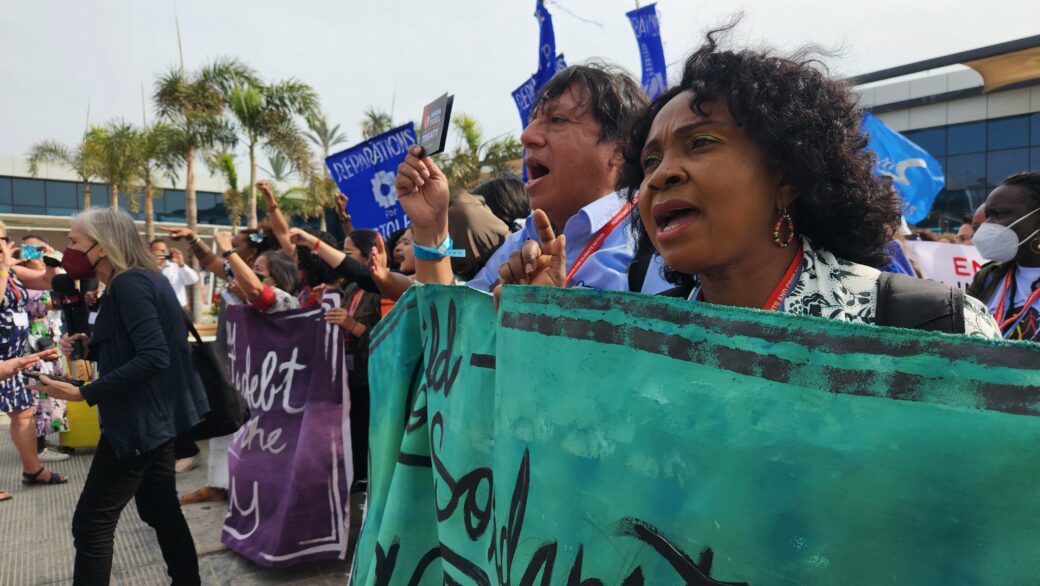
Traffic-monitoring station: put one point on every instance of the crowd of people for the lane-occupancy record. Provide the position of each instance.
(746, 184)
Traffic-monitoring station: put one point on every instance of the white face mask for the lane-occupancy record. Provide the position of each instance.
(1000, 243)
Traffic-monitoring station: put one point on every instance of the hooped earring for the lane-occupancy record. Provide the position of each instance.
(783, 219)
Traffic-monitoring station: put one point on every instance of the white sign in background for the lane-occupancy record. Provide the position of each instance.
(952, 264)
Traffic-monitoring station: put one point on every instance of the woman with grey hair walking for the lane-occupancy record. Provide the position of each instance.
(146, 395)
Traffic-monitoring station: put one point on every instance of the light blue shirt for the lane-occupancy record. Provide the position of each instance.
(654, 282)
(606, 269)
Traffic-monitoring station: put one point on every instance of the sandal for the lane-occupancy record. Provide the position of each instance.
(206, 494)
(29, 479)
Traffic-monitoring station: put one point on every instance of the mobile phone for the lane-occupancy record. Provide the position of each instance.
(35, 374)
(168, 256)
(30, 252)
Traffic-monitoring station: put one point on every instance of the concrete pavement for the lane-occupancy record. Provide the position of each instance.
(37, 541)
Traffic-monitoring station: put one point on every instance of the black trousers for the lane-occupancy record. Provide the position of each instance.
(111, 483)
(184, 448)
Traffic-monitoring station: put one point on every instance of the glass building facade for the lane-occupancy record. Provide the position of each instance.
(48, 197)
(976, 157)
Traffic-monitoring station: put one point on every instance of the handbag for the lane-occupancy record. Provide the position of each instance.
(227, 408)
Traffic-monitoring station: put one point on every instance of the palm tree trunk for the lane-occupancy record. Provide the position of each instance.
(191, 215)
(191, 212)
(251, 204)
(114, 195)
(86, 195)
(149, 212)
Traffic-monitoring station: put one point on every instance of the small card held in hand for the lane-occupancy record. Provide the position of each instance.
(436, 116)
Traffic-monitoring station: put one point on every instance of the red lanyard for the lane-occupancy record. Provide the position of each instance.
(786, 284)
(776, 298)
(598, 239)
(354, 303)
(12, 284)
(1005, 298)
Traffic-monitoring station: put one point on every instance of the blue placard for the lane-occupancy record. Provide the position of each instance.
(651, 53)
(915, 174)
(365, 174)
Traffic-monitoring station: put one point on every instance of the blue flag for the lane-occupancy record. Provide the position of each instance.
(915, 174)
(365, 174)
(548, 64)
(546, 44)
(526, 95)
(651, 53)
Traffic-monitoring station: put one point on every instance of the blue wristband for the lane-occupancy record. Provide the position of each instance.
(445, 249)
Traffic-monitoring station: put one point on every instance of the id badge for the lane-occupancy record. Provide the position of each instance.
(21, 319)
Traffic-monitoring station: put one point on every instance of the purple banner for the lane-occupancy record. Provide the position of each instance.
(290, 464)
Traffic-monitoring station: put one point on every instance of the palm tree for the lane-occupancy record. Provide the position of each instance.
(118, 143)
(265, 117)
(194, 103)
(81, 160)
(280, 168)
(324, 138)
(159, 153)
(463, 165)
(223, 163)
(376, 122)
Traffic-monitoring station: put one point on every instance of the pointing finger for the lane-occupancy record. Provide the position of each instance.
(545, 229)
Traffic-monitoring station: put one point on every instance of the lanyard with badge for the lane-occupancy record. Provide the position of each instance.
(598, 240)
(780, 292)
(19, 317)
(1007, 326)
(355, 302)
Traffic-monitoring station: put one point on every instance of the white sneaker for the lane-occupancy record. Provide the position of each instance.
(49, 455)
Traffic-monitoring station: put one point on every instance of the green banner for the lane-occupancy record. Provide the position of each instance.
(589, 438)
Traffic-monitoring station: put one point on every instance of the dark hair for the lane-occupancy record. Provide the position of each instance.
(313, 269)
(507, 199)
(283, 270)
(34, 237)
(608, 91)
(365, 240)
(153, 242)
(809, 127)
(267, 240)
(1028, 180)
(391, 244)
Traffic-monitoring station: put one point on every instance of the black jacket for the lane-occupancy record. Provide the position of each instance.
(148, 391)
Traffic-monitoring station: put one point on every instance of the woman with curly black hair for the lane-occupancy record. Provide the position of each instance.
(754, 184)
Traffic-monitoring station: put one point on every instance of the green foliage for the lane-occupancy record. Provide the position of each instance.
(118, 145)
(159, 154)
(375, 122)
(279, 168)
(194, 104)
(83, 160)
(223, 163)
(463, 164)
(323, 136)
